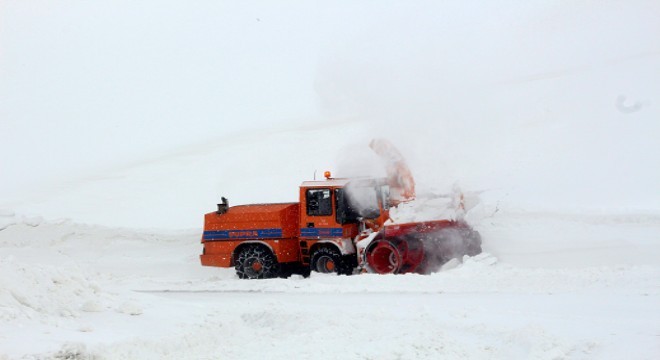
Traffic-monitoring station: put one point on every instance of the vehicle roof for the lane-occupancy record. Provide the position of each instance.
(340, 182)
(259, 208)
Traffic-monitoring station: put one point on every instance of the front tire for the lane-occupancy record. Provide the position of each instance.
(256, 262)
(328, 260)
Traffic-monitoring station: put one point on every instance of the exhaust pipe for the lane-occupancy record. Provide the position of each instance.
(223, 207)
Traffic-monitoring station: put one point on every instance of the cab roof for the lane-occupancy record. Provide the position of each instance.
(341, 182)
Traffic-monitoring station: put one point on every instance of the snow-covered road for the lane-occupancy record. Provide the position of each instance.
(77, 291)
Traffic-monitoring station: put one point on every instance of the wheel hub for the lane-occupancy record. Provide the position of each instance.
(253, 267)
(256, 266)
(326, 265)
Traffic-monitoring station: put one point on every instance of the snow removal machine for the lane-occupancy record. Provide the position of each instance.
(337, 226)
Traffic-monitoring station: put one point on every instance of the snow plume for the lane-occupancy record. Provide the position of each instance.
(358, 160)
(502, 100)
(453, 205)
(445, 245)
(363, 197)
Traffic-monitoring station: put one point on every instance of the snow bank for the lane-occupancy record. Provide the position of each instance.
(6, 218)
(9, 218)
(52, 270)
(36, 290)
(33, 291)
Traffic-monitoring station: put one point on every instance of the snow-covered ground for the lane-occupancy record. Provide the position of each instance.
(547, 287)
(117, 136)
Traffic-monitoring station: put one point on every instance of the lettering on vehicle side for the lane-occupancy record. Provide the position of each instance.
(242, 234)
(321, 232)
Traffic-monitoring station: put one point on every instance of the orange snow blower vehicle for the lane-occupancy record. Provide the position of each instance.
(338, 225)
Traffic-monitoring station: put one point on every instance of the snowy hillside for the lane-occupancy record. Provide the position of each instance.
(544, 106)
(122, 123)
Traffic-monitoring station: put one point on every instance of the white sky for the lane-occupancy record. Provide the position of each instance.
(503, 87)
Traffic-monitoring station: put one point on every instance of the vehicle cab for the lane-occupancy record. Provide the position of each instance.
(333, 212)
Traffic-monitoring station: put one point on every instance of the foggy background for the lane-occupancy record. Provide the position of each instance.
(542, 104)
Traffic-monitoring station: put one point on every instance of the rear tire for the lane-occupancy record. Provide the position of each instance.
(256, 262)
(328, 260)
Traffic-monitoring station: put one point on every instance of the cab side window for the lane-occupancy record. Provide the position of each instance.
(319, 202)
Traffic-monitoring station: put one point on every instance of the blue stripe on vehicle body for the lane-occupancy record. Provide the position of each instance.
(321, 232)
(242, 234)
